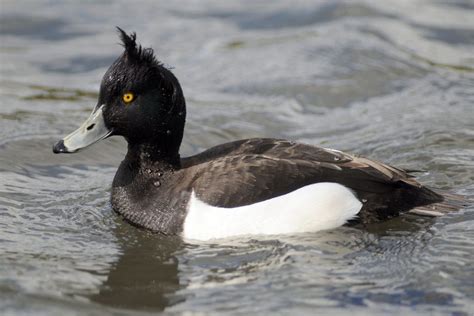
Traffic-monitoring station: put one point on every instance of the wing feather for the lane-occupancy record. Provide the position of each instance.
(253, 170)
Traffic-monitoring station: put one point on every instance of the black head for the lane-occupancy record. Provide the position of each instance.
(139, 99)
(157, 109)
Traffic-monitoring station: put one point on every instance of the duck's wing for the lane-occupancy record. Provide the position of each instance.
(254, 170)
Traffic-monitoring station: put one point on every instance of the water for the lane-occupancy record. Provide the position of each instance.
(390, 80)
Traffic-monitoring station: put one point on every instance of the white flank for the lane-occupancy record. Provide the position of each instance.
(311, 208)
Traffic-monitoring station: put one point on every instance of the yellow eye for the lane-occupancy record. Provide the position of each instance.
(128, 97)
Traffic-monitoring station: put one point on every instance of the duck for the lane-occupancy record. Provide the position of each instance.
(258, 186)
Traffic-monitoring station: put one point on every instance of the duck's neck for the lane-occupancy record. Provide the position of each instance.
(142, 190)
(152, 156)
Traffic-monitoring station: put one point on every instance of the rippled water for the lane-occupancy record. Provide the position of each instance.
(393, 80)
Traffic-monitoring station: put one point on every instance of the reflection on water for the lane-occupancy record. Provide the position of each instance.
(391, 81)
(146, 273)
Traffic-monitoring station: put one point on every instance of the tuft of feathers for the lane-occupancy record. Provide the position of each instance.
(134, 52)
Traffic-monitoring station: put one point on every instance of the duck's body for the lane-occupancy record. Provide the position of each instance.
(253, 186)
(232, 178)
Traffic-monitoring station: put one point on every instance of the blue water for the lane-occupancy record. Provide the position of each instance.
(391, 80)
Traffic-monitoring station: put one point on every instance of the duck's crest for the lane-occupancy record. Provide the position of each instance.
(134, 52)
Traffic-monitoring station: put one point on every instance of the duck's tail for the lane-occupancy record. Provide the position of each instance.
(451, 203)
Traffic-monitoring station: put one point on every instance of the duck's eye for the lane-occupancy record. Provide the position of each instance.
(128, 97)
